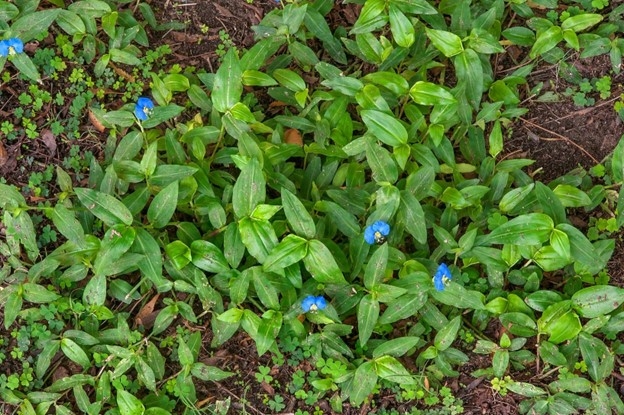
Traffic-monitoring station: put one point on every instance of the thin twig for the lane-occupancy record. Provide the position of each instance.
(590, 109)
(560, 137)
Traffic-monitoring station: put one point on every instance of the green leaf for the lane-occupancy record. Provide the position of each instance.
(617, 163)
(570, 196)
(258, 236)
(122, 56)
(233, 315)
(22, 228)
(95, 291)
(560, 243)
(403, 307)
(389, 368)
(116, 242)
(163, 206)
(529, 229)
(30, 25)
(560, 322)
(10, 197)
(249, 189)
(385, 127)
(289, 79)
(526, 389)
(396, 347)
(67, 224)
(69, 382)
(376, 267)
(371, 17)
(297, 215)
(12, 307)
(550, 353)
(209, 373)
(545, 41)
(75, 353)
(500, 362)
(208, 257)
(290, 250)
(179, 253)
(152, 263)
(268, 330)
(363, 383)
(597, 300)
(110, 210)
(38, 294)
(597, 356)
(257, 78)
(427, 93)
(367, 315)
(412, 216)
(26, 67)
(129, 404)
(164, 319)
(321, 264)
(457, 296)
(44, 359)
(581, 22)
(582, 250)
(496, 139)
(447, 335)
(446, 42)
(384, 168)
(401, 27)
(514, 197)
(344, 221)
(228, 85)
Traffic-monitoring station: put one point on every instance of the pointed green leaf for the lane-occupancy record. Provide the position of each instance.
(107, 208)
(384, 127)
(321, 264)
(228, 85)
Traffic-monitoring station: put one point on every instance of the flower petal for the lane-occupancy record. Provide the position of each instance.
(308, 302)
(369, 235)
(381, 227)
(321, 303)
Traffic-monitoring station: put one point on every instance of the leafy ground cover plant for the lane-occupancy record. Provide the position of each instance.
(364, 224)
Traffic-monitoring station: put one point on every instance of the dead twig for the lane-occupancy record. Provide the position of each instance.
(559, 137)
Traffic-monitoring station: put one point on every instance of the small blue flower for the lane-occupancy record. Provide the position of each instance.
(312, 303)
(442, 277)
(143, 108)
(11, 46)
(377, 232)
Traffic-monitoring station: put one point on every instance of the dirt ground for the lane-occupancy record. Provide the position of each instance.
(558, 135)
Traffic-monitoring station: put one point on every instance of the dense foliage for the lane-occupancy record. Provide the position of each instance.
(345, 190)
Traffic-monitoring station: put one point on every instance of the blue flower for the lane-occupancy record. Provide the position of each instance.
(377, 232)
(442, 277)
(312, 303)
(143, 108)
(11, 46)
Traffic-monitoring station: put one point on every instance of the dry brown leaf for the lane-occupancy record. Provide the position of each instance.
(49, 140)
(95, 122)
(122, 73)
(185, 37)
(293, 136)
(4, 156)
(145, 311)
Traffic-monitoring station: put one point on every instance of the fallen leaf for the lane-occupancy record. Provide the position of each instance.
(293, 136)
(141, 318)
(49, 140)
(185, 37)
(95, 122)
(4, 156)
